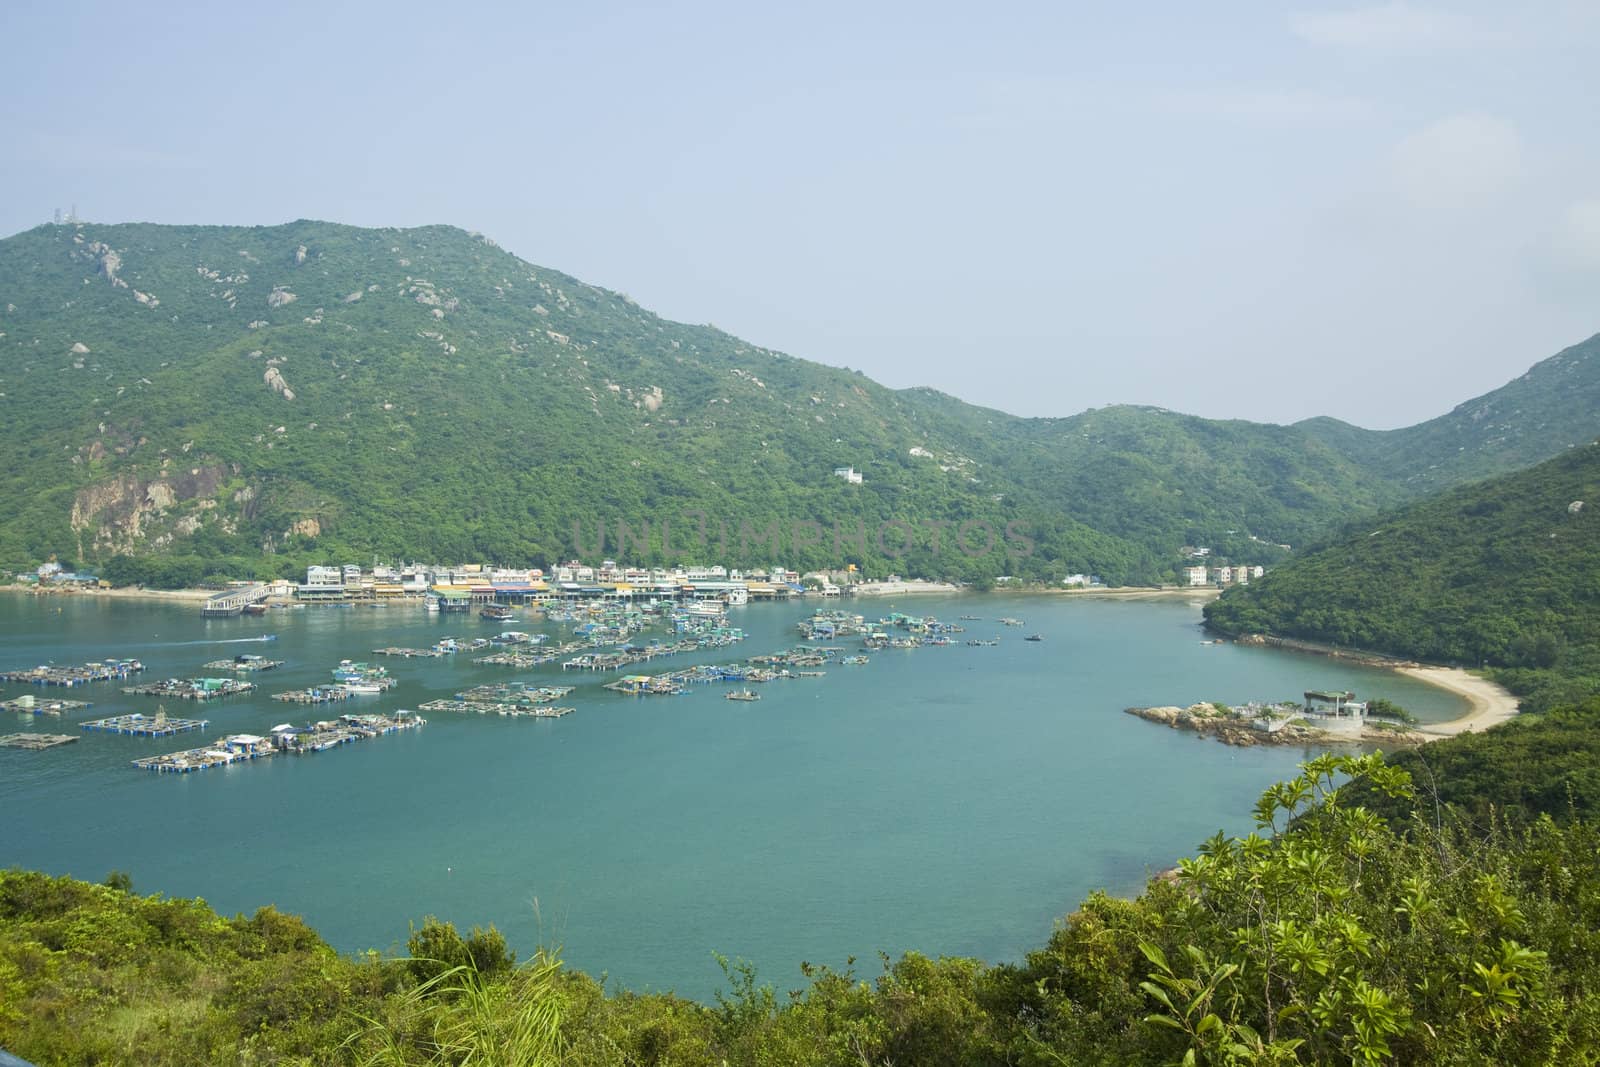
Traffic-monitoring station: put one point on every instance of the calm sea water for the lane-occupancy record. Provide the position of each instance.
(949, 800)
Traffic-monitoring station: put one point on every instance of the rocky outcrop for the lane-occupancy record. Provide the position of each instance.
(280, 296)
(109, 262)
(274, 379)
(121, 513)
(1260, 725)
(304, 528)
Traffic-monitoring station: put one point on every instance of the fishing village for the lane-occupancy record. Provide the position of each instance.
(587, 634)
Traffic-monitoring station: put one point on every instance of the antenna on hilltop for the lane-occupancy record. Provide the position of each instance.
(58, 216)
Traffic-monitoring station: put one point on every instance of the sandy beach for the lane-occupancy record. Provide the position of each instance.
(1489, 704)
(125, 593)
(1164, 592)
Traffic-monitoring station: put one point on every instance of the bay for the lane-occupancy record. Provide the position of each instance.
(950, 800)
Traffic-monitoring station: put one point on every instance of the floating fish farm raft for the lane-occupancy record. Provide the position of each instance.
(284, 739)
(110, 670)
(512, 711)
(519, 660)
(35, 742)
(317, 694)
(244, 663)
(158, 725)
(514, 694)
(28, 704)
(192, 688)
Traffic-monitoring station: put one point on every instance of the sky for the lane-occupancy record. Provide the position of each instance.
(1244, 210)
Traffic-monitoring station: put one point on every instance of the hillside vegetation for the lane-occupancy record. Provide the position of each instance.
(1341, 940)
(1531, 418)
(1503, 573)
(195, 399)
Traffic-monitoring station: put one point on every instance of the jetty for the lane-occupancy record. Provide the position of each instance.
(409, 653)
(234, 601)
(35, 742)
(110, 670)
(192, 688)
(243, 663)
(28, 704)
(137, 725)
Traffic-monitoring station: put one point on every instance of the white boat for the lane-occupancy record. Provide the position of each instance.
(738, 596)
(430, 604)
(363, 687)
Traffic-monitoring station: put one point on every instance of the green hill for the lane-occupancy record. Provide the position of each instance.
(1503, 573)
(184, 399)
(1555, 405)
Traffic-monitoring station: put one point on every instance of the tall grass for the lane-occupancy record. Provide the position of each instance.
(467, 1019)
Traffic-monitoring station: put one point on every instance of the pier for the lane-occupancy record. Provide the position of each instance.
(234, 601)
(137, 725)
(35, 742)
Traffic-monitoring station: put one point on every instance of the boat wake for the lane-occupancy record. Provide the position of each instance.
(212, 641)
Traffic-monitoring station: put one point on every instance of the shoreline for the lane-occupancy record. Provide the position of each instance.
(1488, 703)
(124, 593)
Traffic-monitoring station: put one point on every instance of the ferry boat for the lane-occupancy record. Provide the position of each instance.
(738, 596)
(430, 604)
(743, 694)
(497, 612)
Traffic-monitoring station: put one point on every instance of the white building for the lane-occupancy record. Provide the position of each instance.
(1196, 575)
(326, 576)
(849, 474)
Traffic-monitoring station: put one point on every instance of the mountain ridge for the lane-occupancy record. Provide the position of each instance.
(260, 396)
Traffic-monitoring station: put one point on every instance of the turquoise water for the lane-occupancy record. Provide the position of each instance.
(950, 800)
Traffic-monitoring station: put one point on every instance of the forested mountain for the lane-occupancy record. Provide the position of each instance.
(1503, 573)
(250, 399)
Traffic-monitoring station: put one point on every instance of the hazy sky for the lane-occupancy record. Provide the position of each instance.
(1238, 210)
